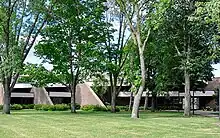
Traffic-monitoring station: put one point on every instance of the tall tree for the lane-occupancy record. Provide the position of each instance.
(20, 23)
(140, 15)
(70, 43)
(209, 11)
(191, 37)
(114, 55)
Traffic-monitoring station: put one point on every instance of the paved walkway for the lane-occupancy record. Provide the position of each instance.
(207, 113)
(200, 112)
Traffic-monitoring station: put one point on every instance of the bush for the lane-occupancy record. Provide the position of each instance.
(122, 108)
(93, 108)
(61, 107)
(1, 107)
(16, 107)
(117, 109)
(38, 106)
(47, 107)
(77, 106)
(27, 106)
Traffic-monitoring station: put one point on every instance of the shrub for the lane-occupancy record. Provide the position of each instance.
(1, 107)
(93, 108)
(47, 107)
(77, 106)
(16, 107)
(27, 106)
(38, 106)
(61, 107)
(122, 108)
(117, 109)
(56, 107)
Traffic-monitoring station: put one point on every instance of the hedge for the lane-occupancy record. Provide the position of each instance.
(56, 107)
(77, 106)
(45, 107)
(27, 106)
(93, 108)
(13, 107)
(117, 109)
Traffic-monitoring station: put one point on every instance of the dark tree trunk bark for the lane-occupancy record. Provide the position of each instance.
(153, 104)
(187, 94)
(130, 102)
(146, 101)
(113, 100)
(73, 99)
(7, 97)
(113, 95)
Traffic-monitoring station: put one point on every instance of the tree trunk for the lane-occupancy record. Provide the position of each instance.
(113, 100)
(113, 95)
(146, 101)
(7, 98)
(153, 102)
(137, 98)
(187, 94)
(130, 102)
(73, 99)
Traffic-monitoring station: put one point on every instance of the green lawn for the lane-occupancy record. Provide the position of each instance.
(41, 124)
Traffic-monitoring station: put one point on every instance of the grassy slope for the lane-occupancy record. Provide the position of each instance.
(40, 124)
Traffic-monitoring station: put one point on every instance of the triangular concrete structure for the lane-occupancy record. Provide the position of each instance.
(85, 95)
(41, 96)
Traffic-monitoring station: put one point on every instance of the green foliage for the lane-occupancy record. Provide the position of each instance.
(118, 108)
(93, 108)
(211, 8)
(209, 12)
(69, 43)
(20, 106)
(101, 108)
(100, 85)
(56, 107)
(21, 21)
(16, 107)
(61, 107)
(38, 106)
(184, 41)
(77, 106)
(38, 75)
(48, 107)
(20, 24)
(70, 40)
(27, 106)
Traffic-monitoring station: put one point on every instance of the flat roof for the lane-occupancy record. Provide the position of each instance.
(172, 94)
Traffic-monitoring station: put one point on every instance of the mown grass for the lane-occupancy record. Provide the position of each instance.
(42, 124)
